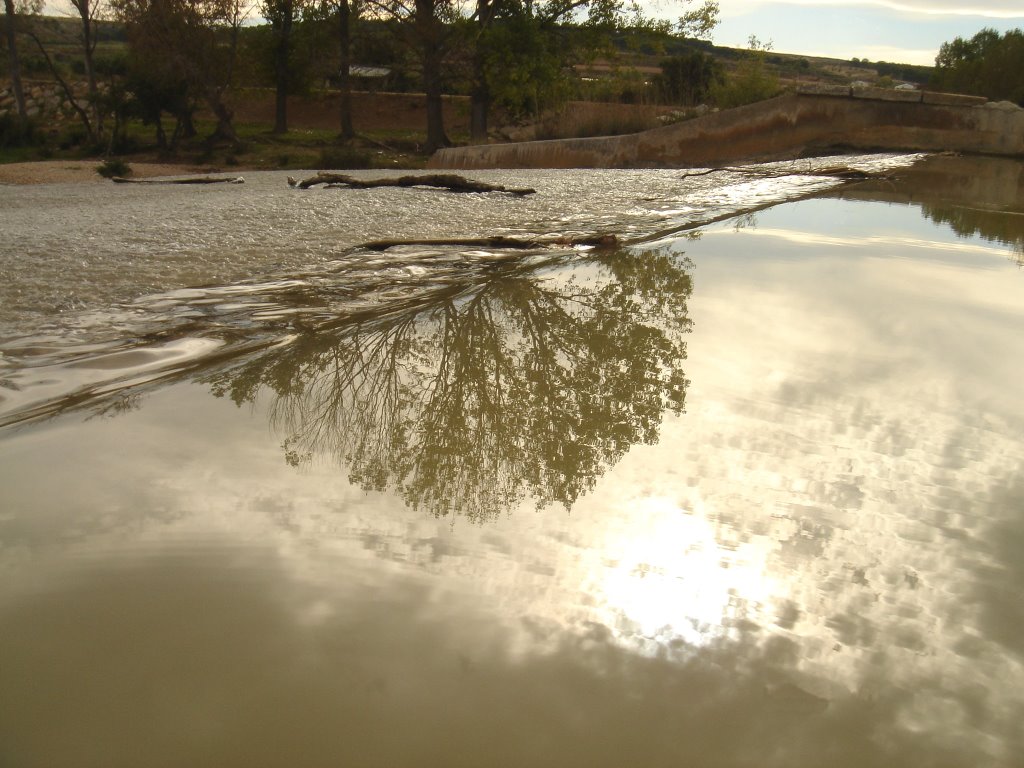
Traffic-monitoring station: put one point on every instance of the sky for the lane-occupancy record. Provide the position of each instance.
(904, 31)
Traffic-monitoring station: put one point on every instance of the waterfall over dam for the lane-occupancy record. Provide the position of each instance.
(813, 120)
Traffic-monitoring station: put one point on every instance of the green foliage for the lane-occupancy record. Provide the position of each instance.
(749, 82)
(525, 65)
(989, 64)
(699, 22)
(687, 79)
(114, 166)
(13, 134)
(910, 72)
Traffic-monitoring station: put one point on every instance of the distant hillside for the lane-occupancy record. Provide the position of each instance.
(635, 55)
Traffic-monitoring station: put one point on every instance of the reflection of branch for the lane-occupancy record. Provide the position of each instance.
(844, 172)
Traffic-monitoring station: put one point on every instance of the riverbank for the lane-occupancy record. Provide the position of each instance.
(82, 171)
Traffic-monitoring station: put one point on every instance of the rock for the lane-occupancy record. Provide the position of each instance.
(1003, 106)
(518, 133)
(672, 117)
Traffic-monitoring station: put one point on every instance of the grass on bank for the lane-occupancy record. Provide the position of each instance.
(257, 149)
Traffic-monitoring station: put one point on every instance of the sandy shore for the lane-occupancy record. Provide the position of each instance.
(76, 171)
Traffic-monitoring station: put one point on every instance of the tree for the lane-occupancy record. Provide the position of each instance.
(431, 22)
(521, 47)
(480, 93)
(688, 78)
(699, 22)
(191, 41)
(157, 88)
(989, 64)
(87, 120)
(12, 11)
(89, 11)
(427, 27)
(281, 15)
(520, 63)
(751, 81)
(347, 12)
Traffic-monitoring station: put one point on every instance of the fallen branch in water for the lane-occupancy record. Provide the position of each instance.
(501, 241)
(447, 181)
(192, 180)
(844, 172)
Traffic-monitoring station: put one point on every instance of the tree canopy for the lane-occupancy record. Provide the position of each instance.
(989, 64)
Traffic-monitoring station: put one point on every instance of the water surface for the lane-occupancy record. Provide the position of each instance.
(745, 494)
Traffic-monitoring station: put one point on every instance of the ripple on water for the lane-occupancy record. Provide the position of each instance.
(122, 267)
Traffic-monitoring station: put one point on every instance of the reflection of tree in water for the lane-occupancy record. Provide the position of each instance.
(529, 385)
(995, 226)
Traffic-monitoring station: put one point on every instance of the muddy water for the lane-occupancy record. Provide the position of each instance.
(745, 494)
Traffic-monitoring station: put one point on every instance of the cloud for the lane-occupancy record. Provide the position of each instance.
(995, 9)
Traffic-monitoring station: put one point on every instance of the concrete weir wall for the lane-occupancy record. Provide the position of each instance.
(809, 121)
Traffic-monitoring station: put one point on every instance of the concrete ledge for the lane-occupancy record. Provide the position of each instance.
(884, 94)
(952, 99)
(824, 90)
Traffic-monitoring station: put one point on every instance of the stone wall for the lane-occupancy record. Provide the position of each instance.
(810, 121)
(45, 103)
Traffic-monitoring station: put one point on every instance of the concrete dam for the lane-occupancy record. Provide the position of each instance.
(814, 120)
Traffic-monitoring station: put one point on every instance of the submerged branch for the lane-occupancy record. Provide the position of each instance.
(500, 241)
(844, 172)
(447, 181)
(193, 180)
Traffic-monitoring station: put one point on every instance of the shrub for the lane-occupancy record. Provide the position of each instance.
(114, 166)
(751, 81)
(11, 134)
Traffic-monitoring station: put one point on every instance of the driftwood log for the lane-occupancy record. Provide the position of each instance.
(192, 180)
(447, 181)
(501, 241)
(844, 172)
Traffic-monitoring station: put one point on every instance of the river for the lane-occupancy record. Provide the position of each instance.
(744, 489)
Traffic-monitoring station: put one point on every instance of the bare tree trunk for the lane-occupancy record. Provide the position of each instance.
(215, 92)
(344, 76)
(480, 95)
(225, 128)
(480, 102)
(15, 65)
(430, 32)
(282, 24)
(86, 12)
(90, 129)
(161, 135)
